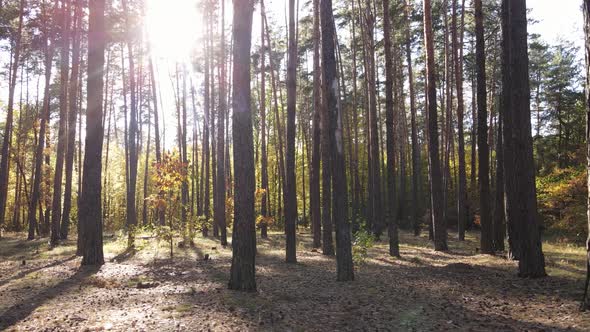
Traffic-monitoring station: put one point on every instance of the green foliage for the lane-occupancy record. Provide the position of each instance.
(562, 196)
(362, 242)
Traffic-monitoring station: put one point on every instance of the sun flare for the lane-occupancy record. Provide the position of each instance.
(173, 27)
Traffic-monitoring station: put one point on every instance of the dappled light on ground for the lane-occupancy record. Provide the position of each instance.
(422, 290)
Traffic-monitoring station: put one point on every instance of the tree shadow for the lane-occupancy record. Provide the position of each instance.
(24, 273)
(125, 255)
(24, 308)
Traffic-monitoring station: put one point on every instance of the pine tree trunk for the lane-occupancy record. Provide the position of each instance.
(72, 118)
(462, 188)
(499, 223)
(132, 134)
(290, 179)
(521, 201)
(344, 264)
(64, 62)
(389, 114)
(264, 208)
(242, 273)
(482, 132)
(5, 156)
(90, 214)
(220, 179)
(314, 174)
(436, 190)
(586, 10)
(35, 203)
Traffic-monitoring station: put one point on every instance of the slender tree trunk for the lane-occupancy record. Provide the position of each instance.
(439, 225)
(415, 143)
(36, 189)
(220, 179)
(72, 118)
(389, 113)
(344, 264)
(462, 188)
(482, 132)
(586, 10)
(326, 157)
(290, 179)
(132, 134)
(264, 209)
(314, 174)
(63, 113)
(206, 133)
(499, 224)
(6, 141)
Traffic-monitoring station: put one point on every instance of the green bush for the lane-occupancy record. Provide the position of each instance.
(362, 242)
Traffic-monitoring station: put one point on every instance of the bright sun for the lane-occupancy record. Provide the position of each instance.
(173, 27)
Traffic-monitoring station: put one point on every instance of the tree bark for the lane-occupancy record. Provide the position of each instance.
(462, 188)
(389, 114)
(5, 162)
(90, 215)
(264, 208)
(242, 273)
(64, 62)
(482, 133)
(290, 179)
(219, 213)
(132, 134)
(439, 225)
(35, 203)
(521, 201)
(314, 174)
(344, 264)
(72, 118)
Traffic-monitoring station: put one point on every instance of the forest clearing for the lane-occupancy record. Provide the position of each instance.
(422, 291)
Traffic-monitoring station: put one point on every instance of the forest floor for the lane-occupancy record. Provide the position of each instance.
(46, 290)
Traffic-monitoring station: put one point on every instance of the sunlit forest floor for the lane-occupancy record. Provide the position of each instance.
(46, 290)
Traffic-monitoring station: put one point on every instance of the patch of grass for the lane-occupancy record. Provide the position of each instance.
(408, 319)
(133, 282)
(244, 301)
(565, 260)
(99, 282)
(183, 308)
(416, 260)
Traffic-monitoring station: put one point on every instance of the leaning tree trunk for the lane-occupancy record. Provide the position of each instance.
(242, 273)
(90, 214)
(436, 190)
